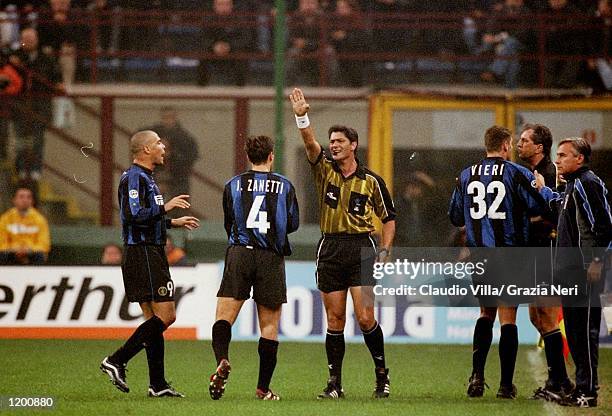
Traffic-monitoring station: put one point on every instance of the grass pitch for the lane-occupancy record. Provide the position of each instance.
(425, 380)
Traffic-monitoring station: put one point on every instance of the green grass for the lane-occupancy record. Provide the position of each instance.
(425, 380)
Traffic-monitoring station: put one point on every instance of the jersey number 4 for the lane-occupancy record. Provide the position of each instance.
(257, 218)
(479, 205)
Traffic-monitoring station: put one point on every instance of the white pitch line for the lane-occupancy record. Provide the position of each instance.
(537, 364)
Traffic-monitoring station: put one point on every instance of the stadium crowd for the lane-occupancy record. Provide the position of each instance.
(343, 42)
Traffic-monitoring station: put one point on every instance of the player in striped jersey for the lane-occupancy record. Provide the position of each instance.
(494, 200)
(260, 210)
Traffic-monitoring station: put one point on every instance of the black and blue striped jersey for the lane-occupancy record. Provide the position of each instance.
(494, 199)
(260, 210)
(141, 207)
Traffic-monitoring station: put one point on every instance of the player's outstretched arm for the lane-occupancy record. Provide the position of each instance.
(191, 223)
(300, 109)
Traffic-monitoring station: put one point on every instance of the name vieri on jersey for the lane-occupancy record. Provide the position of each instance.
(488, 170)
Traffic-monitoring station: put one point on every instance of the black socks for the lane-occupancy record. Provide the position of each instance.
(221, 337)
(155, 359)
(267, 362)
(334, 346)
(375, 341)
(553, 347)
(146, 333)
(508, 348)
(483, 336)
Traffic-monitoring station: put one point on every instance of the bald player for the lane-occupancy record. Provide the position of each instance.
(146, 275)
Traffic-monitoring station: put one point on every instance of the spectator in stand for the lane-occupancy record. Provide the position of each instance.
(112, 254)
(304, 38)
(348, 35)
(33, 111)
(507, 42)
(224, 35)
(141, 37)
(24, 232)
(599, 70)
(10, 85)
(562, 40)
(9, 25)
(181, 154)
(176, 255)
(386, 39)
(60, 36)
(108, 33)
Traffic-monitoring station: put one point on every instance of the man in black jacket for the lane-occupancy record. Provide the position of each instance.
(584, 238)
(181, 153)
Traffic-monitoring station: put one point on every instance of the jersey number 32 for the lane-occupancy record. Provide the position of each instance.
(258, 218)
(479, 209)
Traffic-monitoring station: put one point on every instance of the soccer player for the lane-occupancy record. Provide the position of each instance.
(146, 275)
(494, 200)
(584, 238)
(350, 197)
(534, 150)
(260, 210)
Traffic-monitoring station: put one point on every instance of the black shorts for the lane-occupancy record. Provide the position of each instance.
(507, 270)
(257, 268)
(146, 275)
(345, 260)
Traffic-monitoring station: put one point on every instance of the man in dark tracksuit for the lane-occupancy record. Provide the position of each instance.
(584, 235)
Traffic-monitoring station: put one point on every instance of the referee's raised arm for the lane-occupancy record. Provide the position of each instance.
(300, 108)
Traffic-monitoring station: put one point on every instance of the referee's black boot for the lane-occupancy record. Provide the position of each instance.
(333, 390)
(116, 373)
(476, 385)
(383, 386)
(506, 391)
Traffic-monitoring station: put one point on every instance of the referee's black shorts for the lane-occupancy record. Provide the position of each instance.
(146, 275)
(257, 268)
(344, 261)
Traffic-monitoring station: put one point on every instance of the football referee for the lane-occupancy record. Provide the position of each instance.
(146, 275)
(349, 196)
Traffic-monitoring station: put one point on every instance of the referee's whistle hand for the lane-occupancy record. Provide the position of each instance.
(191, 223)
(177, 202)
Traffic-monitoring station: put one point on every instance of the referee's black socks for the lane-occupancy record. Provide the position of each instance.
(267, 362)
(148, 331)
(221, 337)
(375, 341)
(334, 346)
(553, 347)
(508, 347)
(483, 336)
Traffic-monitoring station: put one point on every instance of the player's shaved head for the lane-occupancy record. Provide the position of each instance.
(141, 139)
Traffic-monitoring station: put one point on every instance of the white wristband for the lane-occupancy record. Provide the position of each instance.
(302, 121)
